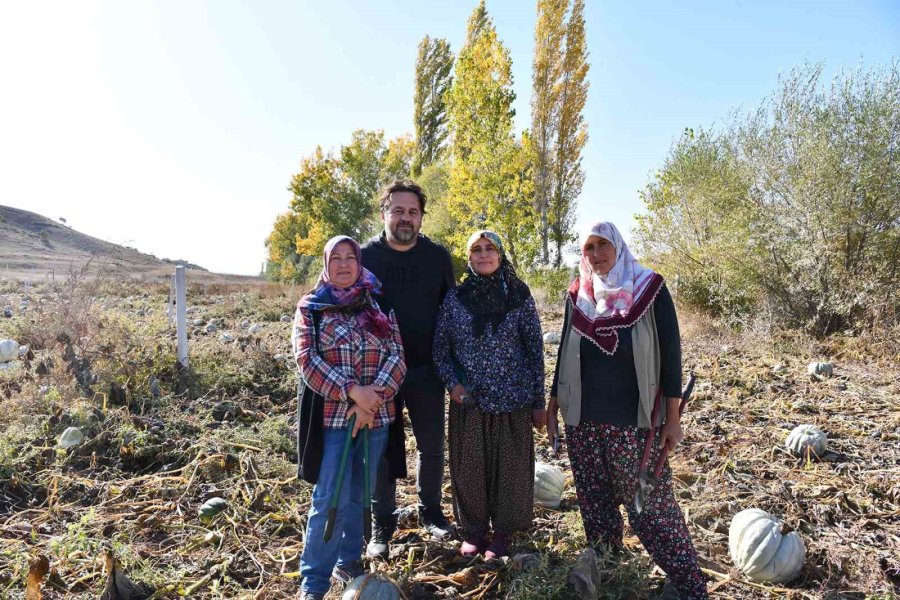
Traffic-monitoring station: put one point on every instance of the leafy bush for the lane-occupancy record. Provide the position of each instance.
(793, 208)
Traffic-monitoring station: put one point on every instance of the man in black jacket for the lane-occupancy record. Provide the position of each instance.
(415, 274)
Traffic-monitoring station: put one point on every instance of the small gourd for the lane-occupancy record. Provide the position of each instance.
(820, 369)
(759, 549)
(9, 350)
(70, 438)
(211, 508)
(372, 586)
(805, 439)
(549, 482)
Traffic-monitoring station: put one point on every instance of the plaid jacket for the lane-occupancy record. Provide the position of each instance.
(347, 354)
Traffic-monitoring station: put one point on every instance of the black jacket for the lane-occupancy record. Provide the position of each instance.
(413, 284)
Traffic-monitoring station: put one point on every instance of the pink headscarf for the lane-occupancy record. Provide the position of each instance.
(605, 303)
(328, 296)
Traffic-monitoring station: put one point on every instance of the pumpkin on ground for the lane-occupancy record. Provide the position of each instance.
(372, 586)
(820, 369)
(9, 350)
(759, 549)
(805, 439)
(70, 438)
(549, 482)
(211, 508)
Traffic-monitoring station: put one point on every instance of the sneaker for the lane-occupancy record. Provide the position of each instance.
(378, 546)
(346, 573)
(307, 595)
(498, 547)
(435, 523)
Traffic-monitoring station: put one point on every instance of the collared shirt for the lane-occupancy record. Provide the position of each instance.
(347, 354)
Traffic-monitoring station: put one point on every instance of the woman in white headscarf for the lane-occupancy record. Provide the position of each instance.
(620, 357)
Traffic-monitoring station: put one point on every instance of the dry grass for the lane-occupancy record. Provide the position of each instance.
(223, 430)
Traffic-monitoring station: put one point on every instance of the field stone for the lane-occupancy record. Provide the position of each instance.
(552, 337)
(227, 338)
(8, 312)
(197, 322)
(526, 562)
(245, 324)
(255, 328)
(211, 327)
(279, 358)
(286, 318)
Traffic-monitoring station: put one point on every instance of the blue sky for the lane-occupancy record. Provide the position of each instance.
(174, 127)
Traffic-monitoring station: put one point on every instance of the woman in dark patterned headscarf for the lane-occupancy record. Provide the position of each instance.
(489, 352)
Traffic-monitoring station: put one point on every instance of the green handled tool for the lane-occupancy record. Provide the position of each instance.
(336, 494)
(367, 488)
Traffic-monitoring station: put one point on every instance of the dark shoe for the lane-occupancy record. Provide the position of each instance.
(498, 547)
(347, 573)
(669, 592)
(304, 595)
(436, 524)
(379, 545)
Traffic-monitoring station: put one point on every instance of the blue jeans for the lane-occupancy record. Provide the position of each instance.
(346, 543)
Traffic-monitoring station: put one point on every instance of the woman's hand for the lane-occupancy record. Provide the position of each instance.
(457, 393)
(538, 418)
(363, 418)
(552, 422)
(367, 397)
(671, 432)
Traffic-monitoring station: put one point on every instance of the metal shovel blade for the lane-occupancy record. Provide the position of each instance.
(646, 484)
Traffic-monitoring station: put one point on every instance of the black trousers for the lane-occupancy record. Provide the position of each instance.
(422, 394)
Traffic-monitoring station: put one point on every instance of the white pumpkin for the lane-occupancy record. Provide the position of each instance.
(549, 482)
(822, 369)
(372, 586)
(759, 549)
(803, 437)
(9, 350)
(70, 438)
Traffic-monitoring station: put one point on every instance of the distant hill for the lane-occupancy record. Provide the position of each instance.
(34, 247)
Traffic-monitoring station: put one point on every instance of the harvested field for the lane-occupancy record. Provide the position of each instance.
(160, 442)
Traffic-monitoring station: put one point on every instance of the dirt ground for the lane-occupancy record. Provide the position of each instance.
(160, 441)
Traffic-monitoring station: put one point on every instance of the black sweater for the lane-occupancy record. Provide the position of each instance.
(609, 388)
(414, 284)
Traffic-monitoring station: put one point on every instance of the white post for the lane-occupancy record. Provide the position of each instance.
(181, 315)
(170, 312)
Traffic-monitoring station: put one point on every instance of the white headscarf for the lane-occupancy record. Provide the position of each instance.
(612, 301)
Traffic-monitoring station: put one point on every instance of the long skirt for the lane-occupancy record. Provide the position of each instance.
(606, 464)
(491, 470)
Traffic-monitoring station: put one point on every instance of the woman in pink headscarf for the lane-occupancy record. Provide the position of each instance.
(350, 355)
(621, 354)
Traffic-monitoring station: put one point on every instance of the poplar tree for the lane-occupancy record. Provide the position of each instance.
(490, 177)
(434, 67)
(558, 127)
(549, 38)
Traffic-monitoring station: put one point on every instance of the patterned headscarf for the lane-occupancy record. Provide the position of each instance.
(488, 298)
(357, 298)
(604, 303)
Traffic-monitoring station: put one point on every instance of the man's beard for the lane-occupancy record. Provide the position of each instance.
(404, 236)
